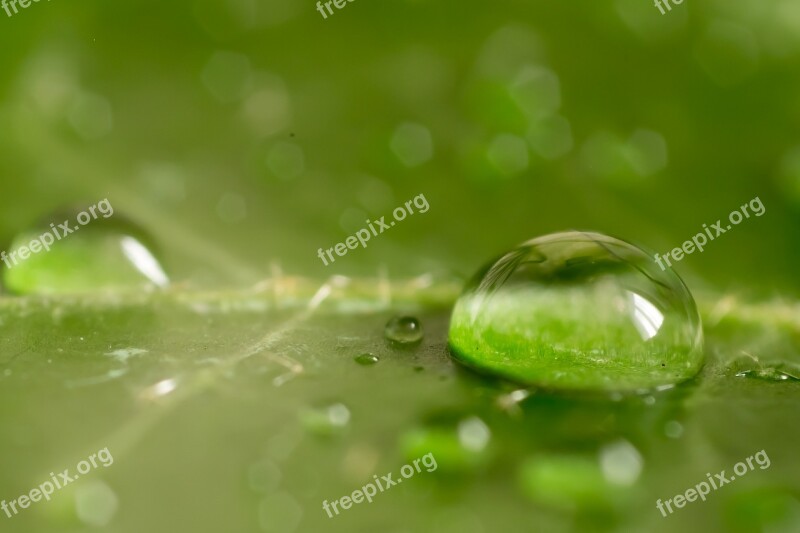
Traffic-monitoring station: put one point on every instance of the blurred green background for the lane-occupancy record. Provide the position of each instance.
(243, 135)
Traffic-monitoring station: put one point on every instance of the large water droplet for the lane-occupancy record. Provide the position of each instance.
(579, 311)
(404, 330)
(72, 251)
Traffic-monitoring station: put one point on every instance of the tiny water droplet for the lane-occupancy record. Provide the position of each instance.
(366, 359)
(404, 330)
(750, 367)
(578, 311)
(70, 251)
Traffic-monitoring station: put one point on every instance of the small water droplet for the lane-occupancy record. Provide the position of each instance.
(404, 330)
(366, 359)
(579, 311)
(751, 367)
(72, 251)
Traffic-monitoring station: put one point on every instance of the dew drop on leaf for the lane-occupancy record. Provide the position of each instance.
(578, 311)
(366, 359)
(748, 367)
(70, 251)
(404, 330)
